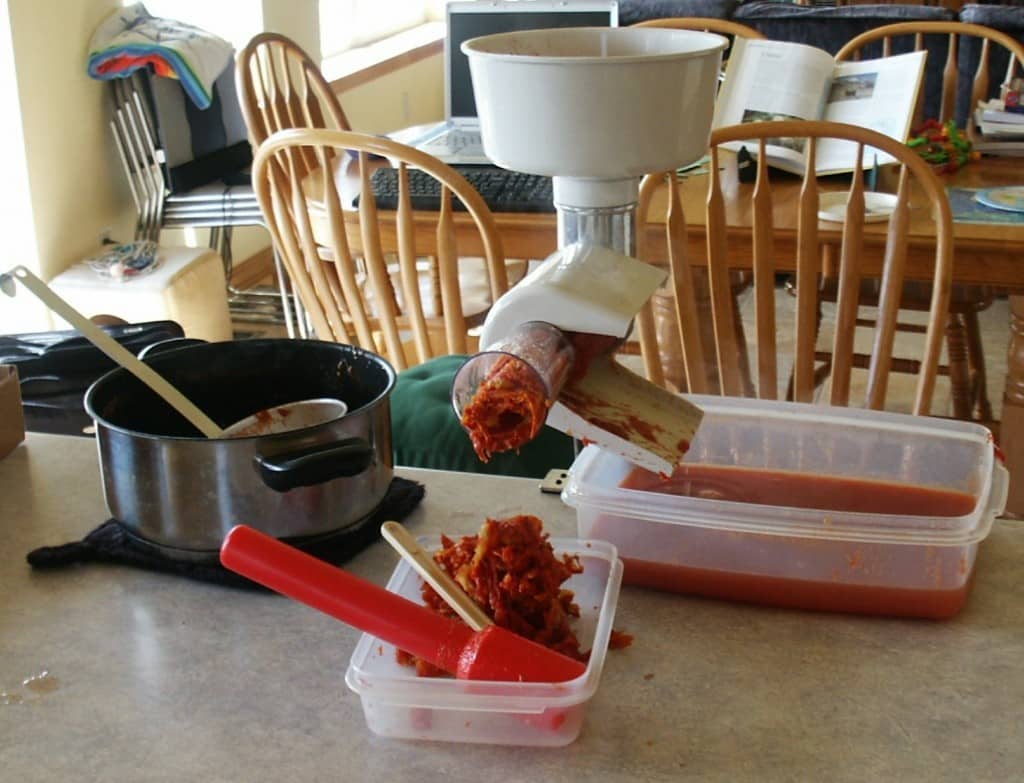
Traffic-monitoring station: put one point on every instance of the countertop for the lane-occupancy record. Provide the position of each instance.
(108, 673)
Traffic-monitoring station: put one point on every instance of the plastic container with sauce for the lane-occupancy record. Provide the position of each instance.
(397, 703)
(866, 512)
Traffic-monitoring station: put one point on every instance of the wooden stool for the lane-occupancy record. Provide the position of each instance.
(188, 287)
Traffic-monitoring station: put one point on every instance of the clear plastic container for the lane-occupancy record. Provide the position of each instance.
(397, 703)
(820, 558)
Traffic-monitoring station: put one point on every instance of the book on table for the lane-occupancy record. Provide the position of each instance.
(998, 131)
(996, 111)
(780, 80)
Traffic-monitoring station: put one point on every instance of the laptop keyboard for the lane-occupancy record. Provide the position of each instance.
(453, 142)
(502, 190)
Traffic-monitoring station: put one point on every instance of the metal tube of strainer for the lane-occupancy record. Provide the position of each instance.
(613, 227)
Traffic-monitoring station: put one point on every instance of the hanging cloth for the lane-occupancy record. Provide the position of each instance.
(131, 39)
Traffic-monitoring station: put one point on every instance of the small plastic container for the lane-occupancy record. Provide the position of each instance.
(819, 558)
(399, 704)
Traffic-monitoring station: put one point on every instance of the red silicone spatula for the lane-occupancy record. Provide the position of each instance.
(491, 654)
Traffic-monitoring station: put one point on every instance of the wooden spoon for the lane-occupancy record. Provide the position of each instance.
(435, 576)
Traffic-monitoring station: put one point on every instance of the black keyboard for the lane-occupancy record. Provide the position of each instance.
(502, 190)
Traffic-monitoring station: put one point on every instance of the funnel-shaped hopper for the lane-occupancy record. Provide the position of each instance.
(595, 103)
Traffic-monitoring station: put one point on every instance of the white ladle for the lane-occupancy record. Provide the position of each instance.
(265, 422)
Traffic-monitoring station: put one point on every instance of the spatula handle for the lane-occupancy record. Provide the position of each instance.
(346, 597)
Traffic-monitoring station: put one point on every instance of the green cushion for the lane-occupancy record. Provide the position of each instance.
(426, 433)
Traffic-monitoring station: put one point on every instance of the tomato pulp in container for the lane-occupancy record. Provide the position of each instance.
(803, 506)
(397, 703)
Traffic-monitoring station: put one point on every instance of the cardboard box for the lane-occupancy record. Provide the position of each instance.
(12, 419)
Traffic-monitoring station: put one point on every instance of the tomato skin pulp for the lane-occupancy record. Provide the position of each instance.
(819, 574)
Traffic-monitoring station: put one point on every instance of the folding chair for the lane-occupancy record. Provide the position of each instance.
(211, 190)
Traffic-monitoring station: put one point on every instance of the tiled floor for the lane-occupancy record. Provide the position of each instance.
(995, 333)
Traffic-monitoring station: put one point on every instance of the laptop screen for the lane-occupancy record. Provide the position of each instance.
(471, 19)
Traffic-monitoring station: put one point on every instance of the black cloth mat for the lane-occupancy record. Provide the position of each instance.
(112, 543)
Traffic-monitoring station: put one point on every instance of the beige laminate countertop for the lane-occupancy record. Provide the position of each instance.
(155, 678)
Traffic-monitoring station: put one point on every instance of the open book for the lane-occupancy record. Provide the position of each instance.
(776, 80)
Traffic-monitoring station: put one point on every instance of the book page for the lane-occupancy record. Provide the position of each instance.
(774, 80)
(877, 94)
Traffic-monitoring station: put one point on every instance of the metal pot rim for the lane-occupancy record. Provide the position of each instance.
(114, 375)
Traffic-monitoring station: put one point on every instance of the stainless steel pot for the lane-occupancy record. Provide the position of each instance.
(172, 487)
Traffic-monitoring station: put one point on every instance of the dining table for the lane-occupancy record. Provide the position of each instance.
(985, 254)
(113, 673)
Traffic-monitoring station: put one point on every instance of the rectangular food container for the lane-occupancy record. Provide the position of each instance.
(810, 558)
(397, 703)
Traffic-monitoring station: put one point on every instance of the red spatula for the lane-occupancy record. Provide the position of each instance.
(491, 654)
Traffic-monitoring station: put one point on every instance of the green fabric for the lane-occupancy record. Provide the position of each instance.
(426, 433)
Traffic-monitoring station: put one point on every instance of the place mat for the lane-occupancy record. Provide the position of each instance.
(967, 209)
(112, 543)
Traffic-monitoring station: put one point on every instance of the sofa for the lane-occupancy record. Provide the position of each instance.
(829, 27)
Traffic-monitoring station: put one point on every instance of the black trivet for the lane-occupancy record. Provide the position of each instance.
(111, 542)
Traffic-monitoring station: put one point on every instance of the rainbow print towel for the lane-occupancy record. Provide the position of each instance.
(131, 38)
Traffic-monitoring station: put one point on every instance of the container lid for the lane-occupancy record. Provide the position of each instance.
(374, 673)
(813, 440)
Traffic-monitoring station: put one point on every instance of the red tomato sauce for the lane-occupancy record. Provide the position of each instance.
(796, 490)
(905, 580)
(938, 604)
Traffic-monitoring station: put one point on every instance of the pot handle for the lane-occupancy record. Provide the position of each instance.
(315, 465)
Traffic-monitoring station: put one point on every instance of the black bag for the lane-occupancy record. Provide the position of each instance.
(56, 368)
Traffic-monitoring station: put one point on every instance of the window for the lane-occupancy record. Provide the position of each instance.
(335, 25)
(345, 24)
(235, 22)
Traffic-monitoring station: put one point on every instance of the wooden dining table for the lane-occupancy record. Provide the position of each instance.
(984, 254)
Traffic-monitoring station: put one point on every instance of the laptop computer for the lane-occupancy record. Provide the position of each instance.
(456, 140)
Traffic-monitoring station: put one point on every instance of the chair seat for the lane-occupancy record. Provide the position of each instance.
(915, 295)
(966, 360)
(474, 283)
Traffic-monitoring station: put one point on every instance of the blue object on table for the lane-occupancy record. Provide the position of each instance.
(967, 208)
(1010, 199)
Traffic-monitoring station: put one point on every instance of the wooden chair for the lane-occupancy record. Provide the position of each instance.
(704, 24)
(994, 50)
(280, 87)
(756, 200)
(337, 260)
(663, 300)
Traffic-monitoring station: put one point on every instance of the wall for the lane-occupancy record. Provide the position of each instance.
(410, 95)
(74, 186)
(63, 182)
